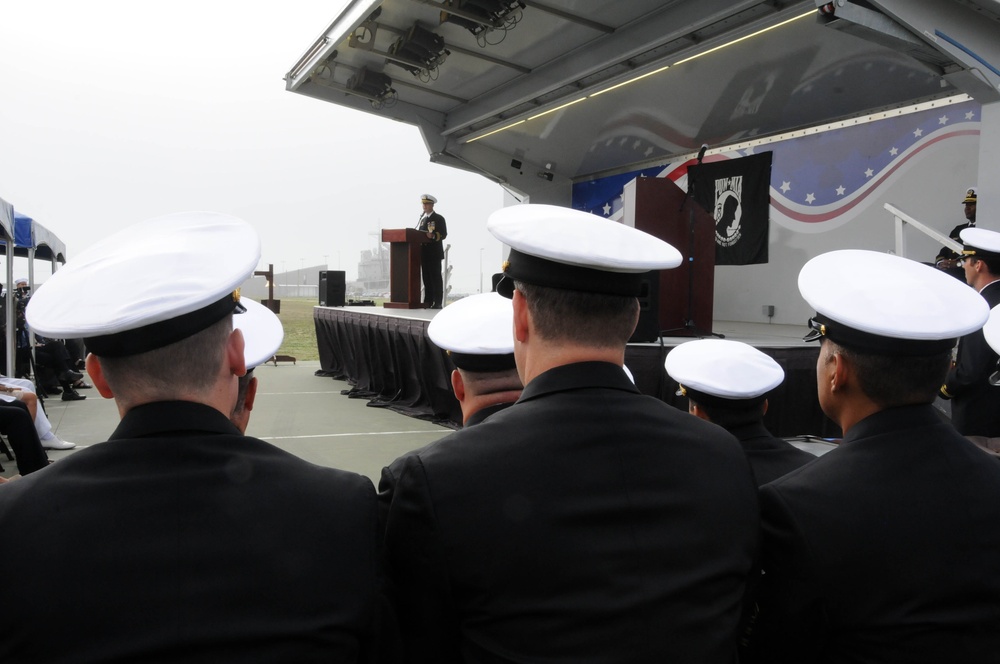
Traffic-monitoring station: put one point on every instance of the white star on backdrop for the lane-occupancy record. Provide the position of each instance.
(607, 209)
(869, 173)
(810, 198)
(943, 120)
(918, 133)
(841, 190)
(785, 186)
(894, 151)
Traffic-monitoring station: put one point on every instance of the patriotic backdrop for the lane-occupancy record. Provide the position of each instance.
(824, 177)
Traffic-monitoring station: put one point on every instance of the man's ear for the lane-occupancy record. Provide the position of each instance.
(235, 348)
(96, 372)
(521, 317)
(458, 385)
(839, 372)
(698, 411)
(251, 394)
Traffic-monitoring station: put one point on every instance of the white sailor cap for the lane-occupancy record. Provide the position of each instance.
(149, 285)
(262, 332)
(887, 305)
(477, 331)
(723, 372)
(427, 198)
(565, 248)
(971, 195)
(980, 243)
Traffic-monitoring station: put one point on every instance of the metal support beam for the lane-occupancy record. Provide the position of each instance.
(573, 18)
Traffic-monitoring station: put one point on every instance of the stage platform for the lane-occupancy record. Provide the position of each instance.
(387, 358)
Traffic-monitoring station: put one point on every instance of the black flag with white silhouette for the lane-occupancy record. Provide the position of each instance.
(737, 193)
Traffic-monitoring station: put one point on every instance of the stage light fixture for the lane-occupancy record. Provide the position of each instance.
(374, 86)
(419, 51)
(480, 16)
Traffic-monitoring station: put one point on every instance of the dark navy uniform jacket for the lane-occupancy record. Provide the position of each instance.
(770, 457)
(886, 549)
(975, 406)
(434, 249)
(585, 523)
(181, 540)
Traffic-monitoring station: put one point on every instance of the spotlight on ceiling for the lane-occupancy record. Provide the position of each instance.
(479, 16)
(419, 51)
(374, 86)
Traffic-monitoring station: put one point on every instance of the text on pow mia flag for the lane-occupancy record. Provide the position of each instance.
(736, 192)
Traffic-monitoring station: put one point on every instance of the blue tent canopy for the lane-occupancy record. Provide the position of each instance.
(32, 238)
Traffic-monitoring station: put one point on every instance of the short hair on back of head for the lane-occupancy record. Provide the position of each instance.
(480, 383)
(897, 380)
(189, 365)
(593, 319)
(737, 416)
(992, 264)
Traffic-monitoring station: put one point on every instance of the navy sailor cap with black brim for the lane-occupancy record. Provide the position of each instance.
(887, 305)
(149, 285)
(723, 373)
(483, 363)
(564, 248)
(157, 335)
(821, 326)
(980, 243)
(706, 399)
(477, 331)
(540, 271)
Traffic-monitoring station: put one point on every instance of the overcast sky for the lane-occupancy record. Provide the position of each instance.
(116, 111)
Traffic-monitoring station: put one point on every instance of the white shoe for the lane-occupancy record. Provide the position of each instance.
(53, 442)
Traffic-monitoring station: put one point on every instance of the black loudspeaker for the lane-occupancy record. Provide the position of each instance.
(332, 288)
(648, 328)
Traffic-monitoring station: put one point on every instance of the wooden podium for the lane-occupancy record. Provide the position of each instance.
(404, 267)
(682, 300)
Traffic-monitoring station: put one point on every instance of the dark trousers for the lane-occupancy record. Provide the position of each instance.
(430, 269)
(17, 425)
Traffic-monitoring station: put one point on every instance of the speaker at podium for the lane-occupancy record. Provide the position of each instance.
(332, 288)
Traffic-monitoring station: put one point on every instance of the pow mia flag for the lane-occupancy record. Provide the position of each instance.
(737, 193)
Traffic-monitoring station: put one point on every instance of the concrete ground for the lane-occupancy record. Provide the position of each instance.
(295, 410)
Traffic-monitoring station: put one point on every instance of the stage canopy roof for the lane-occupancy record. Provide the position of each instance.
(33, 239)
(538, 95)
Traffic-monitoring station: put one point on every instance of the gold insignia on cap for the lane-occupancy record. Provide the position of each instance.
(681, 391)
(506, 264)
(236, 296)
